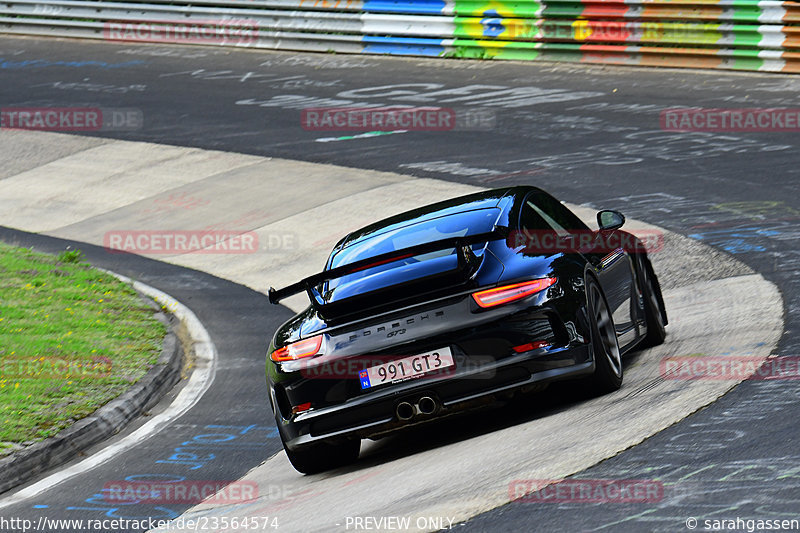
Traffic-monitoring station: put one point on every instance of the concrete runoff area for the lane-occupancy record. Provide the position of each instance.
(92, 188)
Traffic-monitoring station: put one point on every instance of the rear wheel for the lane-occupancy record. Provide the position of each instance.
(315, 458)
(607, 375)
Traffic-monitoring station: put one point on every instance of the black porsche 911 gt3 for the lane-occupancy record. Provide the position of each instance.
(449, 306)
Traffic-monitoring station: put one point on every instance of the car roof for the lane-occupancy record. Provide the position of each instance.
(481, 200)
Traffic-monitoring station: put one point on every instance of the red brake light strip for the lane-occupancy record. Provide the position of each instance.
(510, 293)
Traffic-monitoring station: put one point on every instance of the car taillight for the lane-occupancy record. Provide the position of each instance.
(510, 293)
(298, 350)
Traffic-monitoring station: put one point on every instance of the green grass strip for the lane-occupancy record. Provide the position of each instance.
(72, 338)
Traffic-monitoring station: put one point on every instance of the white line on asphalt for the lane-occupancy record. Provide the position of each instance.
(358, 136)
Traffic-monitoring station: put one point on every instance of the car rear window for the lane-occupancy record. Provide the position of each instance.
(444, 227)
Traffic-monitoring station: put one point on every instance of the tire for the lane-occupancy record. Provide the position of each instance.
(315, 458)
(653, 312)
(608, 371)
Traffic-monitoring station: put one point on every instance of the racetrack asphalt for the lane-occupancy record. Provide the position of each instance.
(713, 187)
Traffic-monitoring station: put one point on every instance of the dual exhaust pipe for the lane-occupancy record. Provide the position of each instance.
(426, 405)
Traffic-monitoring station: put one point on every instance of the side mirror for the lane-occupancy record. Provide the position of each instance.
(609, 220)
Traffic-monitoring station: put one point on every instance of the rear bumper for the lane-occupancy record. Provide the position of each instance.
(374, 413)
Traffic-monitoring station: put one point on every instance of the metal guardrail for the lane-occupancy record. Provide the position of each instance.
(732, 34)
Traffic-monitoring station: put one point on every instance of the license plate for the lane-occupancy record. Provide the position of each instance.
(406, 368)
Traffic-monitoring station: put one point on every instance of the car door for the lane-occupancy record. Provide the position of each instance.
(613, 265)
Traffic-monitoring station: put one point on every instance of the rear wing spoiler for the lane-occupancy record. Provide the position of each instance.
(466, 258)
